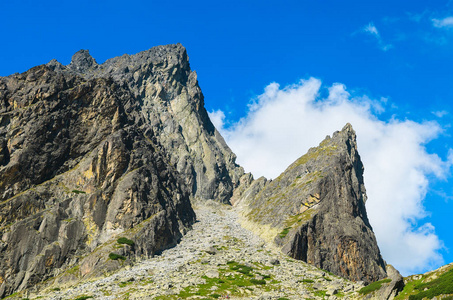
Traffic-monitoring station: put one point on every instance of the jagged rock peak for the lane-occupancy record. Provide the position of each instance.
(82, 61)
(305, 204)
(347, 133)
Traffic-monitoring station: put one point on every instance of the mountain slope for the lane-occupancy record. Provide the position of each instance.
(437, 283)
(218, 258)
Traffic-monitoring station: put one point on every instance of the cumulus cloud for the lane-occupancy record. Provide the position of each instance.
(283, 123)
(443, 23)
(372, 30)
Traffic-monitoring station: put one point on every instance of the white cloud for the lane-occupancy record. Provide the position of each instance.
(283, 123)
(443, 23)
(217, 118)
(440, 113)
(372, 30)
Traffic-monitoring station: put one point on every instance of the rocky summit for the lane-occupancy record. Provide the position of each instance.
(316, 210)
(115, 184)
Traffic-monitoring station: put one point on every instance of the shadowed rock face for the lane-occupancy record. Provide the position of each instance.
(89, 153)
(318, 204)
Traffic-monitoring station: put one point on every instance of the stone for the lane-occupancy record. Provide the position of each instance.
(211, 250)
(332, 291)
(389, 290)
(212, 274)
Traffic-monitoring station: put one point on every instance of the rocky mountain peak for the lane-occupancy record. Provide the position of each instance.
(316, 212)
(82, 61)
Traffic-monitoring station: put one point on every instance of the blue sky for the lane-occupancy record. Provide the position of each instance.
(387, 65)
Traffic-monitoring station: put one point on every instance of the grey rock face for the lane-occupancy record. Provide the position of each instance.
(90, 153)
(318, 204)
(82, 61)
(172, 103)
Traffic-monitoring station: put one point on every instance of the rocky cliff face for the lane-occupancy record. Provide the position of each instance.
(318, 207)
(90, 153)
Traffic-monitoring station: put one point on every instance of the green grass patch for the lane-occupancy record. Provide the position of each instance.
(373, 286)
(83, 297)
(79, 192)
(125, 241)
(321, 294)
(443, 285)
(12, 295)
(306, 281)
(74, 270)
(284, 232)
(114, 256)
(124, 283)
(234, 266)
(258, 281)
(298, 219)
(262, 266)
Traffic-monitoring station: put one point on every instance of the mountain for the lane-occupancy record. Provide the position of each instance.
(101, 166)
(91, 152)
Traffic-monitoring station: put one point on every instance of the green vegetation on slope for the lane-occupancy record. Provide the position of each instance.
(440, 286)
(430, 285)
(114, 256)
(373, 286)
(234, 279)
(123, 240)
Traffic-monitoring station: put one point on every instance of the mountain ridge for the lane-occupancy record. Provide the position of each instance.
(94, 154)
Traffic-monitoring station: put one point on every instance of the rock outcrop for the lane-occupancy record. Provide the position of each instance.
(390, 287)
(93, 152)
(318, 206)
